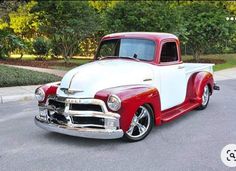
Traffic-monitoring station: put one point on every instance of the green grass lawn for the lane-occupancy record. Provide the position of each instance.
(229, 58)
(33, 57)
(25, 57)
(230, 62)
(53, 63)
(77, 62)
(10, 76)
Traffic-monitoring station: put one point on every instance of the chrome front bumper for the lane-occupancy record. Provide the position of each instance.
(79, 132)
(106, 125)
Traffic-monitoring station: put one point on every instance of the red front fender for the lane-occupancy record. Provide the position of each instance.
(131, 98)
(49, 89)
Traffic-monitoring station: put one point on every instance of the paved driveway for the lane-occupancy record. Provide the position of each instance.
(192, 142)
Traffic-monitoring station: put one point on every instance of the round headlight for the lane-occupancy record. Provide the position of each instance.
(114, 102)
(39, 94)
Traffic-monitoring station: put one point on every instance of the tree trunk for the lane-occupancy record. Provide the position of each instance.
(196, 55)
(65, 53)
(9, 54)
(21, 55)
(65, 57)
(72, 50)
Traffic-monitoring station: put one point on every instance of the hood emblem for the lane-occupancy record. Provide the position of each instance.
(69, 91)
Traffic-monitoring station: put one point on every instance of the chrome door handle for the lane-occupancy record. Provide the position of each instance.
(180, 67)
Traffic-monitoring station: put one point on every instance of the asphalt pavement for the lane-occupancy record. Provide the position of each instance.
(192, 142)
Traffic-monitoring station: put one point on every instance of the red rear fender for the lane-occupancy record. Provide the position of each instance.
(196, 84)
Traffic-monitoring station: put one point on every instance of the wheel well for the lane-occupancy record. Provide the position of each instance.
(153, 112)
(210, 88)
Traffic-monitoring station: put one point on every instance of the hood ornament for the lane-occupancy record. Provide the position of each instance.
(69, 91)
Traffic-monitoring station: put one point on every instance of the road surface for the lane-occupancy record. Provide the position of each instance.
(192, 142)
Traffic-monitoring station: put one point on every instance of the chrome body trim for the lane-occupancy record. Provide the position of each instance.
(80, 132)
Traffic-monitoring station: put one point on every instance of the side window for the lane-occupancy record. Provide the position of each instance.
(169, 52)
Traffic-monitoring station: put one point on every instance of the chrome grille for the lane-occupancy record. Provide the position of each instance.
(86, 107)
(75, 106)
(55, 103)
(79, 113)
(89, 121)
(73, 112)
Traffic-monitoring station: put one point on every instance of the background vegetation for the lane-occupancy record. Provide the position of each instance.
(54, 29)
(17, 77)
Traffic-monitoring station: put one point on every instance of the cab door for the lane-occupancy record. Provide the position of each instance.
(172, 74)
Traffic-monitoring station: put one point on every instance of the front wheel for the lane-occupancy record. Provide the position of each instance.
(205, 98)
(141, 124)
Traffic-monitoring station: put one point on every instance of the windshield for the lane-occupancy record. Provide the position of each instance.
(135, 48)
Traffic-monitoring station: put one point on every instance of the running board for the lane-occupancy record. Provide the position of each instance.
(170, 114)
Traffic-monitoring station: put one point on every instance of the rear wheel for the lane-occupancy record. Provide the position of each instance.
(205, 98)
(141, 124)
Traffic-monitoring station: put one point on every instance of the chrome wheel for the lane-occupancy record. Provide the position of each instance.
(140, 123)
(205, 96)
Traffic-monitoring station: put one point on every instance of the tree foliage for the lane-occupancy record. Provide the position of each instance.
(76, 26)
(69, 22)
(230, 6)
(41, 47)
(101, 6)
(150, 16)
(7, 6)
(8, 43)
(17, 26)
(206, 26)
(23, 22)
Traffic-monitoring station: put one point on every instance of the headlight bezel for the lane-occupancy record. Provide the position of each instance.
(111, 105)
(39, 94)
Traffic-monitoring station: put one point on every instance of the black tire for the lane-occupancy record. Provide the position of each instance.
(205, 100)
(140, 132)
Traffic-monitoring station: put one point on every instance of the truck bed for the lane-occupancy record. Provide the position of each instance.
(195, 67)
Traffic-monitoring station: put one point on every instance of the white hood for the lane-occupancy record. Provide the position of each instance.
(88, 79)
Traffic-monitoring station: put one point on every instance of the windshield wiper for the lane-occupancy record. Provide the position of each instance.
(104, 57)
(134, 57)
(127, 57)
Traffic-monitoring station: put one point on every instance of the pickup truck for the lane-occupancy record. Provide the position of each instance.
(137, 80)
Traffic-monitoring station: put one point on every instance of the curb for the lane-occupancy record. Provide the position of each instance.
(4, 99)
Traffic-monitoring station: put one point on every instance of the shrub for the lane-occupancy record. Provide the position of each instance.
(41, 47)
(9, 42)
(55, 48)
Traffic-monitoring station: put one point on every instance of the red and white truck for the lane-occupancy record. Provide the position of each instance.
(136, 80)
